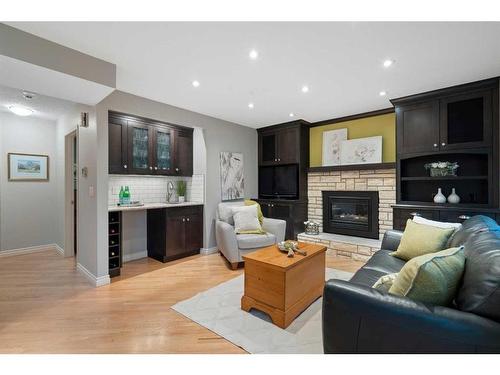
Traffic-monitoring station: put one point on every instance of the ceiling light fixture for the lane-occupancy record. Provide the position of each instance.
(253, 54)
(196, 84)
(291, 114)
(20, 111)
(250, 105)
(305, 89)
(388, 63)
(382, 93)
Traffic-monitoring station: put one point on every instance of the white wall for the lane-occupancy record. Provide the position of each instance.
(28, 210)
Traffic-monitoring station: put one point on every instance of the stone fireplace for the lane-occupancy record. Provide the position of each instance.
(353, 213)
(382, 181)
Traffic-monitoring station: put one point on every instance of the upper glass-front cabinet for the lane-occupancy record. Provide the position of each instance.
(163, 149)
(139, 149)
(466, 120)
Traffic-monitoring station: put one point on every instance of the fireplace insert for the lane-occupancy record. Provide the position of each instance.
(353, 213)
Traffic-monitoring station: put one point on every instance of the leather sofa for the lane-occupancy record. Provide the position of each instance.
(360, 319)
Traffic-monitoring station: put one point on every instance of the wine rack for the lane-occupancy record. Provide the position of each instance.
(114, 243)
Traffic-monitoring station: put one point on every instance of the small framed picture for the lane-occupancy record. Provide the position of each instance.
(28, 167)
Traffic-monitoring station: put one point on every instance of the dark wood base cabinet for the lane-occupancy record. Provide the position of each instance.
(174, 232)
(447, 214)
(292, 211)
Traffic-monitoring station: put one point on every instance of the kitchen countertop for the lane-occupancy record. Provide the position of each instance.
(149, 206)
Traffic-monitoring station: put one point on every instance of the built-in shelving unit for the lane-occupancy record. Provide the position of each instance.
(114, 243)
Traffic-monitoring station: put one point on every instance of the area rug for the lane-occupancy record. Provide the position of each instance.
(218, 309)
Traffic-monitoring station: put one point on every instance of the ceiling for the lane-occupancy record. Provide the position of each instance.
(340, 62)
(44, 107)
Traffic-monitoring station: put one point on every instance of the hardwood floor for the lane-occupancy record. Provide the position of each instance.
(46, 306)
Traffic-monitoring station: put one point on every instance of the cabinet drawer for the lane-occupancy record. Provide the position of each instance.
(401, 215)
(460, 216)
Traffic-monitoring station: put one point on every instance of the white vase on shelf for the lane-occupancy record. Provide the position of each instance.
(453, 197)
(439, 197)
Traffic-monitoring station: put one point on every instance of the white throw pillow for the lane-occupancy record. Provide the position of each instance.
(246, 219)
(437, 224)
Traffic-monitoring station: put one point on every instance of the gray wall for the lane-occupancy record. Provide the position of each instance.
(219, 136)
(28, 210)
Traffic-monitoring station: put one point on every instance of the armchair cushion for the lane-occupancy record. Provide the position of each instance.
(252, 241)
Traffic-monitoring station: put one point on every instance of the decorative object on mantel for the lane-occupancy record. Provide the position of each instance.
(28, 167)
(291, 247)
(331, 146)
(361, 151)
(453, 198)
(231, 175)
(181, 190)
(311, 228)
(439, 197)
(442, 168)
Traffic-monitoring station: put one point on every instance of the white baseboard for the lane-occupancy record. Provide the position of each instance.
(135, 255)
(31, 249)
(95, 281)
(208, 250)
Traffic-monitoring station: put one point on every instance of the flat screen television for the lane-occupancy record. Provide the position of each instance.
(279, 182)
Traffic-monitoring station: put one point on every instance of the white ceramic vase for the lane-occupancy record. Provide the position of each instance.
(453, 197)
(182, 199)
(439, 197)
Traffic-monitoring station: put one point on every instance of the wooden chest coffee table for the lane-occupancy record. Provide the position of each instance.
(283, 287)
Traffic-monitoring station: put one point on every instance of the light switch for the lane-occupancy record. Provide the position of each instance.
(91, 191)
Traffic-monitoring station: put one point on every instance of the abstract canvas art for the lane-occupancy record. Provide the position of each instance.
(361, 151)
(231, 175)
(28, 167)
(331, 146)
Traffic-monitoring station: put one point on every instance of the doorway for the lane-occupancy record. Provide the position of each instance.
(71, 194)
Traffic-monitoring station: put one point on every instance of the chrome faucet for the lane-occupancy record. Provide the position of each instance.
(170, 191)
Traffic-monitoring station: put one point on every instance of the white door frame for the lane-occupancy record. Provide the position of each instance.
(69, 223)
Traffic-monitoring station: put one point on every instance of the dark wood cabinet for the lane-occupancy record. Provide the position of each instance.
(118, 156)
(401, 213)
(174, 232)
(183, 153)
(293, 212)
(417, 127)
(142, 146)
(279, 146)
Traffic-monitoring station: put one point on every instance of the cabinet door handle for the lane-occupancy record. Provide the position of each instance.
(125, 166)
(177, 169)
(279, 159)
(464, 217)
(156, 168)
(415, 214)
(187, 219)
(435, 144)
(183, 219)
(443, 144)
(150, 167)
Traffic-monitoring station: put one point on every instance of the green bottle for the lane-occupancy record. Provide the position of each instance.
(126, 196)
(120, 196)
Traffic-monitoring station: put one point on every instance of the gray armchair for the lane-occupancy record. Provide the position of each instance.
(233, 246)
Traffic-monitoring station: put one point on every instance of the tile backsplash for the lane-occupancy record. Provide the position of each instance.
(153, 189)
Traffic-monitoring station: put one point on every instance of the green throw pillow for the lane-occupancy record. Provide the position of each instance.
(260, 216)
(420, 239)
(385, 282)
(431, 278)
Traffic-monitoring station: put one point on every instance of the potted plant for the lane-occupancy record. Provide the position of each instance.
(181, 190)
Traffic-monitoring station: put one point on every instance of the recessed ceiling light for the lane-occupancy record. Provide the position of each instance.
(305, 89)
(250, 105)
(388, 63)
(253, 54)
(21, 111)
(291, 114)
(196, 83)
(382, 93)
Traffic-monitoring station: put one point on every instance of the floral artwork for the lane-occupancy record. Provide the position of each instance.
(331, 146)
(361, 151)
(231, 176)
